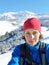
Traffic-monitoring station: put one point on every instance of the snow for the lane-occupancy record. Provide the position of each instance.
(44, 28)
(45, 32)
(4, 58)
(5, 27)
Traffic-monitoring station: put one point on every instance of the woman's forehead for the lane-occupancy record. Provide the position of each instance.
(31, 30)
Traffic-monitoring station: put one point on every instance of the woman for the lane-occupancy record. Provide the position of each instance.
(29, 52)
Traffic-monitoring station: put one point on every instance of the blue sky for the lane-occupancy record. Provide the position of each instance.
(36, 6)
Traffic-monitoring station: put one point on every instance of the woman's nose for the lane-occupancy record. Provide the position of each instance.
(32, 36)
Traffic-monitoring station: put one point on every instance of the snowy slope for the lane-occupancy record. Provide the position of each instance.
(45, 33)
(5, 26)
(4, 58)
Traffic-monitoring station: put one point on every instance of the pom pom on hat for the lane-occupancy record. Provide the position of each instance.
(32, 23)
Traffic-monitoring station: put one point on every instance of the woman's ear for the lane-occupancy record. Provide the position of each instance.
(41, 36)
(23, 37)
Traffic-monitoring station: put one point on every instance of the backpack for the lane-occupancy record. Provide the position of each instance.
(26, 56)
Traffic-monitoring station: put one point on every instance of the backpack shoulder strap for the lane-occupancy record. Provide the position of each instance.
(26, 55)
(43, 54)
(22, 54)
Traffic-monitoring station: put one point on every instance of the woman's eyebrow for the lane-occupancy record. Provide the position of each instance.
(27, 32)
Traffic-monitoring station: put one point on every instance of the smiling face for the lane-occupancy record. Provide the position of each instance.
(32, 36)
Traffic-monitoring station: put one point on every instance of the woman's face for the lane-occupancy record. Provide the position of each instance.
(32, 36)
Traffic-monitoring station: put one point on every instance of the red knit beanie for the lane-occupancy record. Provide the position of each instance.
(32, 23)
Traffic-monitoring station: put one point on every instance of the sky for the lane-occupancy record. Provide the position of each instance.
(36, 6)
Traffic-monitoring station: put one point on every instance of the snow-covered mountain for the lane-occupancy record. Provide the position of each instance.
(11, 31)
(21, 16)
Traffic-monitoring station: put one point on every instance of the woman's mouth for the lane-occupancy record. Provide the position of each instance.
(30, 41)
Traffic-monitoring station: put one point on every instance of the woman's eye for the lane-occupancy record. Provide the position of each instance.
(28, 33)
(34, 33)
